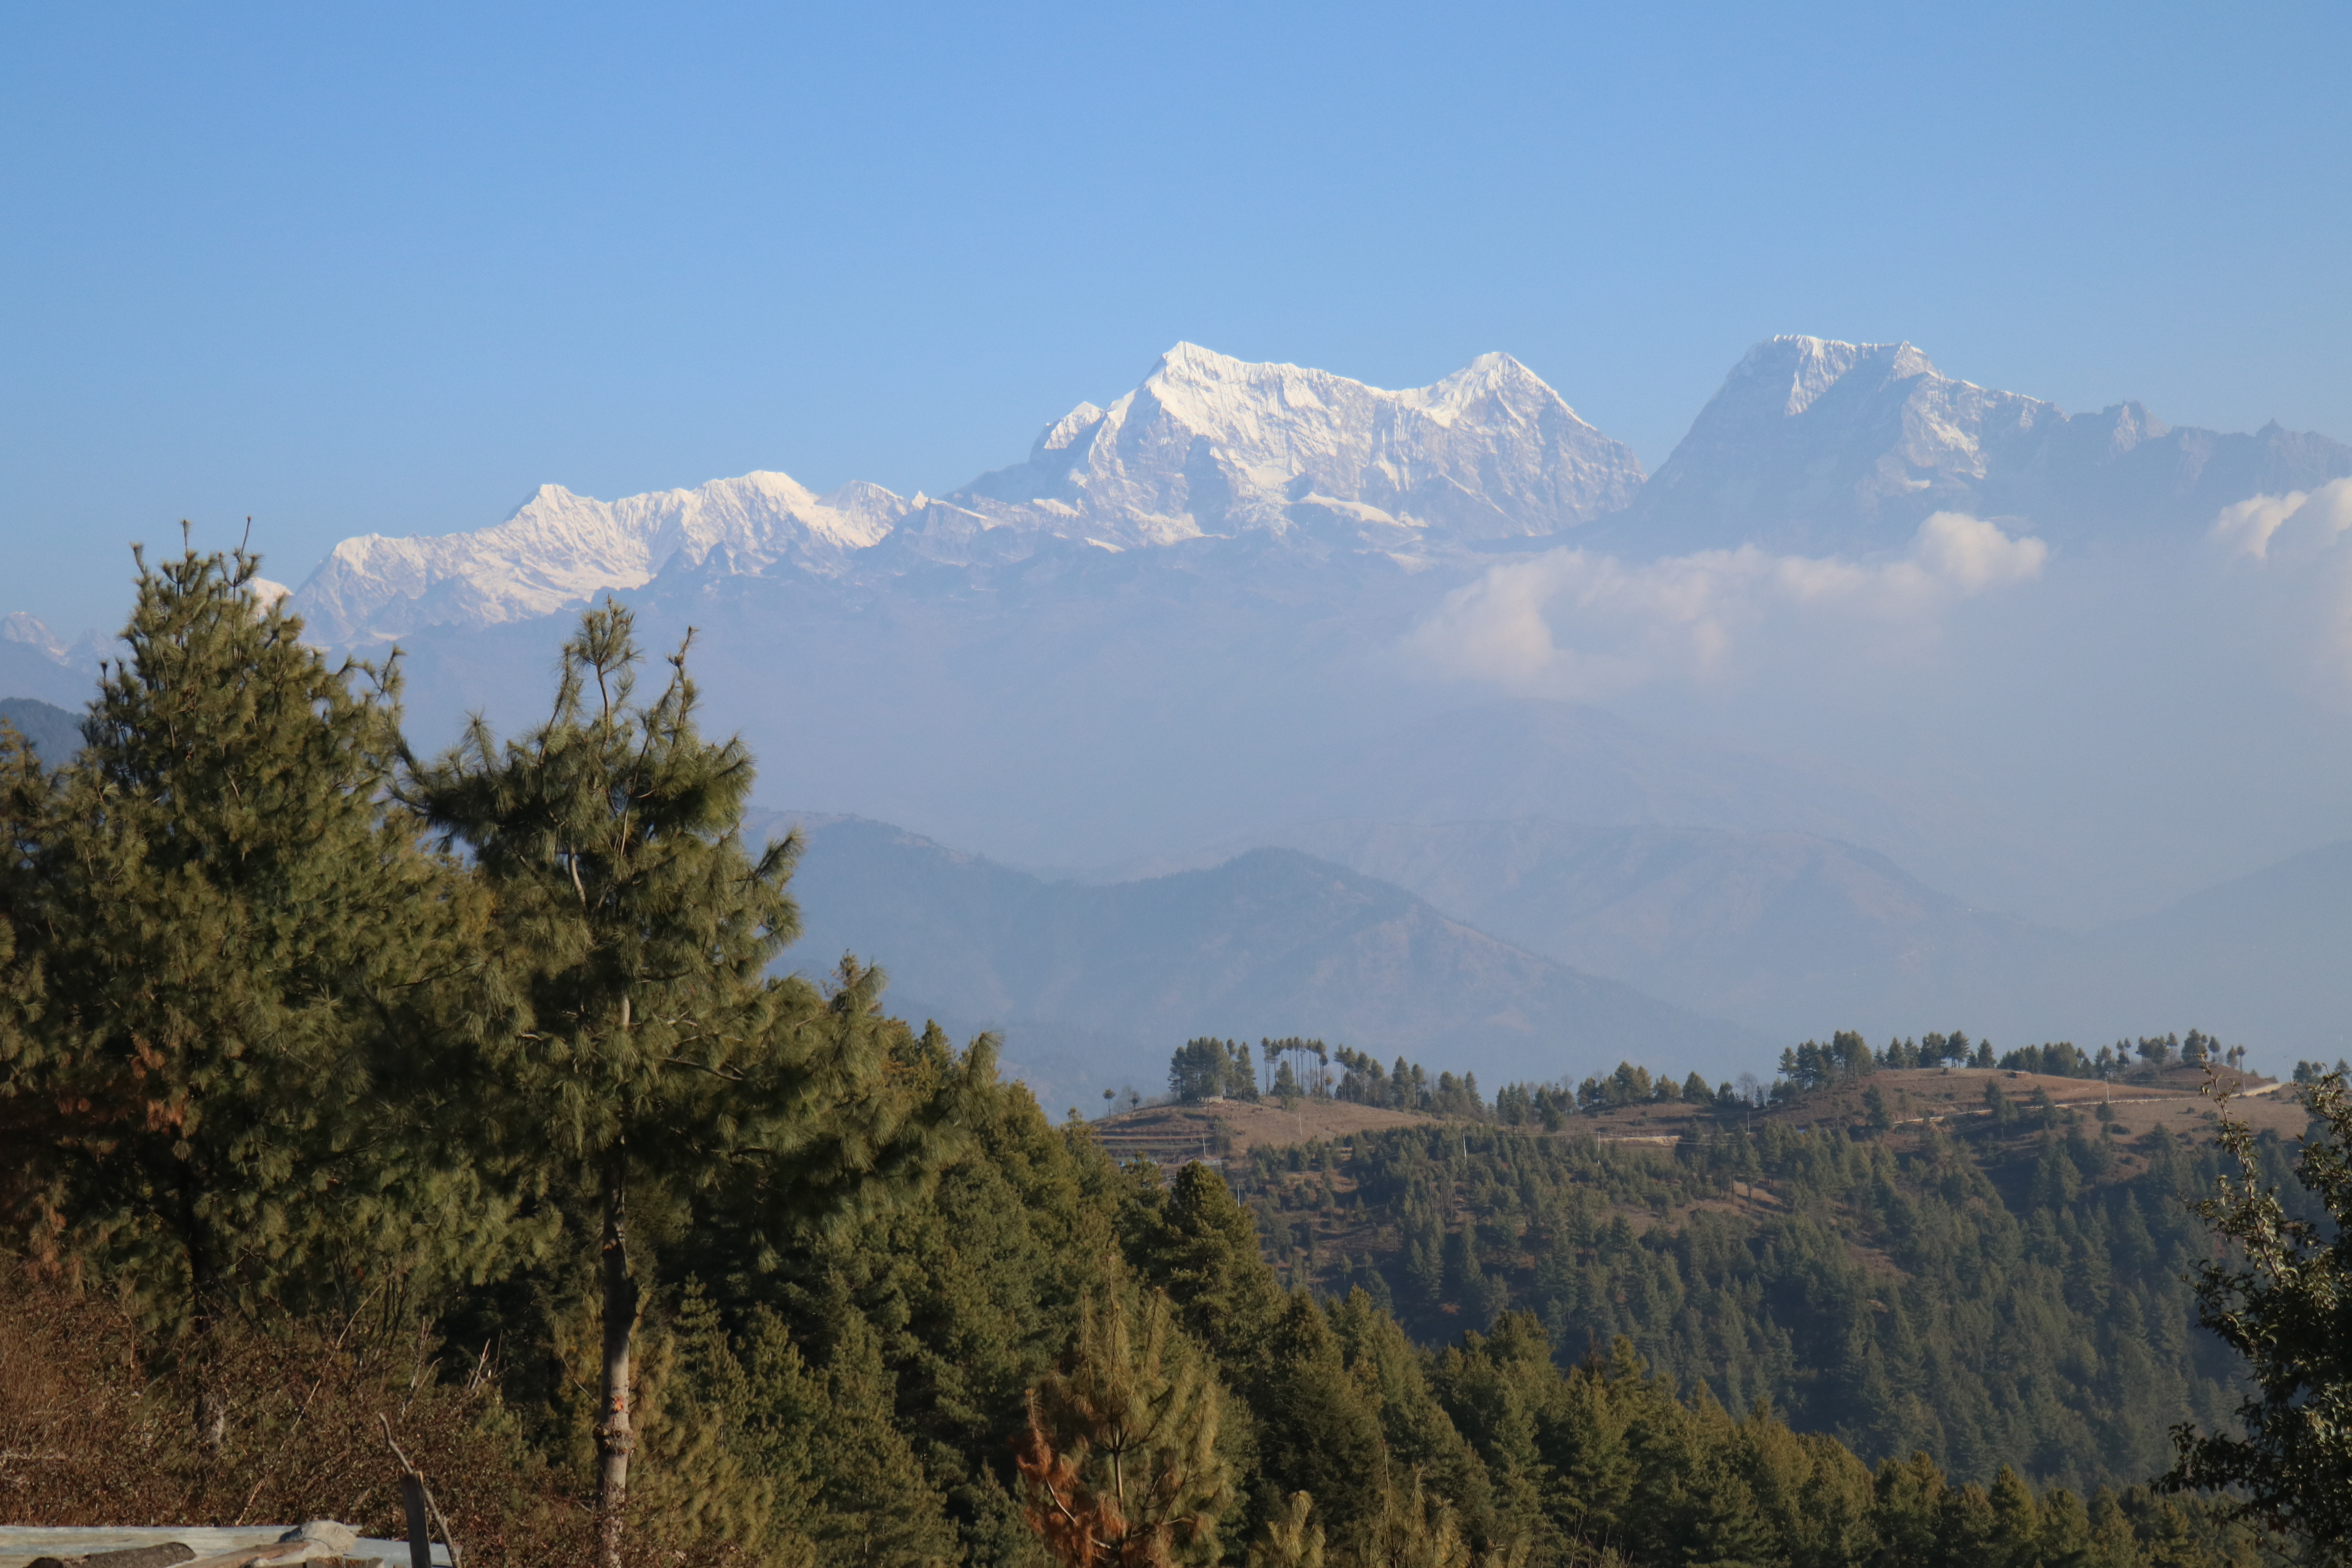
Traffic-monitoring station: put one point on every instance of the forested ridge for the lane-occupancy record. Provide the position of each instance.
(2006, 1296)
(344, 1089)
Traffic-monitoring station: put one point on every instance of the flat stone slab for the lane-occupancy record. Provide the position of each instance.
(20, 1543)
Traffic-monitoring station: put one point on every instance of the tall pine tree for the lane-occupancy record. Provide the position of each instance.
(242, 953)
(643, 1042)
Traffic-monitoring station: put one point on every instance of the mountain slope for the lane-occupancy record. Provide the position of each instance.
(1500, 762)
(1820, 446)
(1990, 1288)
(35, 662)
(1768, 928)
(2259, 958)
(1793, 935)
(1094, 986)
(55, 733)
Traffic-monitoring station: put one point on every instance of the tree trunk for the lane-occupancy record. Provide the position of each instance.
(204, 1291)
(613, 1437)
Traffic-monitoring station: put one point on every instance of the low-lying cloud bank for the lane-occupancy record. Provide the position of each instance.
(1575, 625)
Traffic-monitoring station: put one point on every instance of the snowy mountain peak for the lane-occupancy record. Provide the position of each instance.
(1212, 445)
(1821, 446)
(1811, 441)
(1488, 372)
(1811, 444)
(1805, 367)
(30, 632)
(1192, 359)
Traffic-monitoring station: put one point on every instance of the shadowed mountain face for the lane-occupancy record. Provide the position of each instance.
(1095, 987)
(1484, 798)
(1531, 757)
(1538, 948)
(31, 672)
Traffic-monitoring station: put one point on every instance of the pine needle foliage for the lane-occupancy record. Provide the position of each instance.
(638, 1037)
(1415, 1530)
(234, 961)
(2284, 1301)
(1291, 1539)
(1120, 1465)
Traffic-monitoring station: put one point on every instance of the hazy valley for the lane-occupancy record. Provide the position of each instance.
(1767, 738)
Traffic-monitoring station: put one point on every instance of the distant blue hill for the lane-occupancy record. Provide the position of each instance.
(1094, 986)
(56, 733)
(2259, 959)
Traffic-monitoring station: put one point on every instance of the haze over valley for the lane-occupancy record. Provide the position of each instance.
(1208, 786)
(1889, 701)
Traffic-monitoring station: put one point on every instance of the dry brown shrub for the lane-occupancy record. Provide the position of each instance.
(97, 1429)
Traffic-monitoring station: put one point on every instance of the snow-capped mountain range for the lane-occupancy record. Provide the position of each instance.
(1206, 446)
(559, 549)
(1811, 445)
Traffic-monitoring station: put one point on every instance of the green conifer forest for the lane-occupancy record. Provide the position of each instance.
(354, 1096)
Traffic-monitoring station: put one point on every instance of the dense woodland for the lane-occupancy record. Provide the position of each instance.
(2018, 1298)
(352, 1099)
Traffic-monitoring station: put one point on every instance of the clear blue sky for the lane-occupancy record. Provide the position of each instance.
(352, 268)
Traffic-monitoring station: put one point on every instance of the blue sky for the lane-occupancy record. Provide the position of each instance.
(387, 269)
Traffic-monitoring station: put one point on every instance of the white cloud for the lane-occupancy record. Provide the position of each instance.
(1572, 624)
(2310, 521)
(1973, 555)
(2301, 572)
